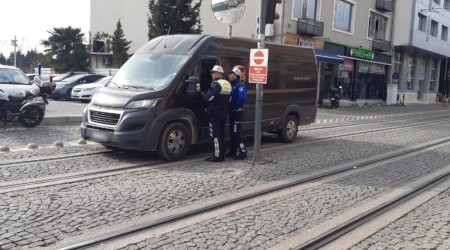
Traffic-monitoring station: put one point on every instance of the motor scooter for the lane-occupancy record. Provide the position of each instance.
(28, 107)
(334, 98)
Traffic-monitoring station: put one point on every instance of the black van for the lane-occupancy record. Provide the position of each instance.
(152, 104)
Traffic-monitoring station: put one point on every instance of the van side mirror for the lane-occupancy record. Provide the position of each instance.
(192, 85)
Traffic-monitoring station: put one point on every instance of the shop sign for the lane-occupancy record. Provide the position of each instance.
(348, 65)
(363, 54)
(377, 69)
(304, 41)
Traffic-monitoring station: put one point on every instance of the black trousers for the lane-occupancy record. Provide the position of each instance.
(217, 132)
(236, 142)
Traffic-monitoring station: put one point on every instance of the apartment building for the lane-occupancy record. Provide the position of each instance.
(362, 46)
(422, 47)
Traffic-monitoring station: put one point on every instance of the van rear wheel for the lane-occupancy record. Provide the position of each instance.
(289, 131)
(174, 142)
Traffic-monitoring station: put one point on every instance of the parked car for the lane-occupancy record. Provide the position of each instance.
(62, 76)
(64, 88)
(13, 80)
(86, 91)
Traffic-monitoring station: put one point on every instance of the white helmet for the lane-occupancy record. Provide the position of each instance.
(235, 71)
(3, 96)
(217, 68)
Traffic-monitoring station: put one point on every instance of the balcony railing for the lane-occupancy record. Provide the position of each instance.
(385, 5)
(309, 27)
(381, 45)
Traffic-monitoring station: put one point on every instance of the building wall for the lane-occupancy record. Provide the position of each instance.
(132, 15)
(402, 23)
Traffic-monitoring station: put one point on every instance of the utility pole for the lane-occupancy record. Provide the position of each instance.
(259, 87)
(14, 43)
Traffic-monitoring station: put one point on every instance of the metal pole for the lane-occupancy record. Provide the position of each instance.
(259, 87)
(14, 43)
(230, 29)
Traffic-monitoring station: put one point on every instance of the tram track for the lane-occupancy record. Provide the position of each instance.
(346, 227)
(153, 164)
(240, 197)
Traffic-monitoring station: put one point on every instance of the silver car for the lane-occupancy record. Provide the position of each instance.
(13, 80)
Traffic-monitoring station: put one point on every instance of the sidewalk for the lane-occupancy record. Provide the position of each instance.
(70, 112)
(326, 114)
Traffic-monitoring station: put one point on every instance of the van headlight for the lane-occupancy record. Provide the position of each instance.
(143, 104)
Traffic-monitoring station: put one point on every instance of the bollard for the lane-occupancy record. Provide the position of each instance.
(403, 102)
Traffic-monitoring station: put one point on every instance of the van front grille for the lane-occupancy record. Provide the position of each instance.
(111, 119)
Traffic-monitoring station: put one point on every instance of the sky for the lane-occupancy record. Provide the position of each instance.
(29, 21)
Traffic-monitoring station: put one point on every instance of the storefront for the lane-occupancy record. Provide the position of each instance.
(363, 73)
(329, 65)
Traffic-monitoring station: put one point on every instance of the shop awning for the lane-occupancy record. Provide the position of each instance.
(328, 57)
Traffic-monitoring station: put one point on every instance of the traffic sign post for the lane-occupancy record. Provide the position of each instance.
(259, 86)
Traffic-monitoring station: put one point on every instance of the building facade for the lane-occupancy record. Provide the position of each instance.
(362, 46)
(421, 49)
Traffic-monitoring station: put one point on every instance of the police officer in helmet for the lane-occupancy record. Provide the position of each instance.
(236, 108)
(216, 101)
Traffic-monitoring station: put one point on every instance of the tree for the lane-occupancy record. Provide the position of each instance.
(66, 49)
(120, 46)
(174, 17)
(2, 59)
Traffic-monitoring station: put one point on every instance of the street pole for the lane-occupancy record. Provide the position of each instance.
(14, 43)
(230, 29)
(259, 87)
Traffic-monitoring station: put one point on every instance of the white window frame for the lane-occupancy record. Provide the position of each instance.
(388, 25)
(352, 23)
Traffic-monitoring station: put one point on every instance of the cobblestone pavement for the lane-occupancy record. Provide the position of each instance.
(44, 216)
(268, 223)
(427, 227)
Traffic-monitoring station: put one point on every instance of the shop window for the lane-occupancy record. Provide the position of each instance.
(411, 64)
(304, 9)
(433, 73)
(397, 62)
(343, 15)
(378, 26)
(444, 33)
(422, 22)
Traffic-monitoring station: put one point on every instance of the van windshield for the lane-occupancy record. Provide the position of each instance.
(148, 71)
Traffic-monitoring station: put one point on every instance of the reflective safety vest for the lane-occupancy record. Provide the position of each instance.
(225, 87)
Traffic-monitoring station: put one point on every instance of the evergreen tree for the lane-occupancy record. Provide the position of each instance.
(2, 59)
(61, 48)
(174, 17)
(120, 46)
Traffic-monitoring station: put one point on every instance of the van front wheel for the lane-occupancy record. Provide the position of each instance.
(289, 131)
(174, 142)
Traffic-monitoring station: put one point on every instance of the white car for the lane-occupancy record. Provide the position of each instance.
(85, 92)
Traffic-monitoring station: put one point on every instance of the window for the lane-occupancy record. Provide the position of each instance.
(434, 28)
(397, 62)
(378, 26)
(304, 9)
(433, 73)
(447, 4)
(422, 23)
(343, 15)
(438, 2)
(411, 63)
(444, 33)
